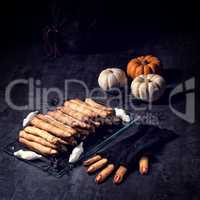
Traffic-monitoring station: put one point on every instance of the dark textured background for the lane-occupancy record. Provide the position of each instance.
(176, 173)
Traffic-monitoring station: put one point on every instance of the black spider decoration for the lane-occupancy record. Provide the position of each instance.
(52, 34)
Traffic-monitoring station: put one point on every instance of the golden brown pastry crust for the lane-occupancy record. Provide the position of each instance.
(38, 147)
(36, 139)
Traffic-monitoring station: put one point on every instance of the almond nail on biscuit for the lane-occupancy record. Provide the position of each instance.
(119, 175)
(144, 165)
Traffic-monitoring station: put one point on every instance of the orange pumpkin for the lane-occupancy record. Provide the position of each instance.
(143, 65)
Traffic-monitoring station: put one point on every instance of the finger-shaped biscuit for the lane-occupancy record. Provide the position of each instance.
(104, 173)
(121, 171)
(38, 147)
(54, 122)
(92, 109)
(73, 104)
(50, 128)
(92, 160)
(36, 139)
(44, 134)
(144, 165)
(97, 105)
(97, 165)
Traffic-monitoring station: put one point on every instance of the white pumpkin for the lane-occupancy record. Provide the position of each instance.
(112, 77)
(148, 87)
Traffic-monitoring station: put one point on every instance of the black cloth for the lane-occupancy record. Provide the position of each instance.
(146, 139)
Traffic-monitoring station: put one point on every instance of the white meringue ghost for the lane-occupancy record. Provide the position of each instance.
(119, 112)
(27, 155)
(76, 153)
(29, 117)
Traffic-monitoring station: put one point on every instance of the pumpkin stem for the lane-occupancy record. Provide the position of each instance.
(147, 80)
(144, 62)
(110, 71)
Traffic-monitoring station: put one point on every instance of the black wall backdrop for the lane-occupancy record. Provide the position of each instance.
(23, 21)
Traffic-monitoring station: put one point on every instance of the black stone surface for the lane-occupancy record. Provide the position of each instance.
(175, 175)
